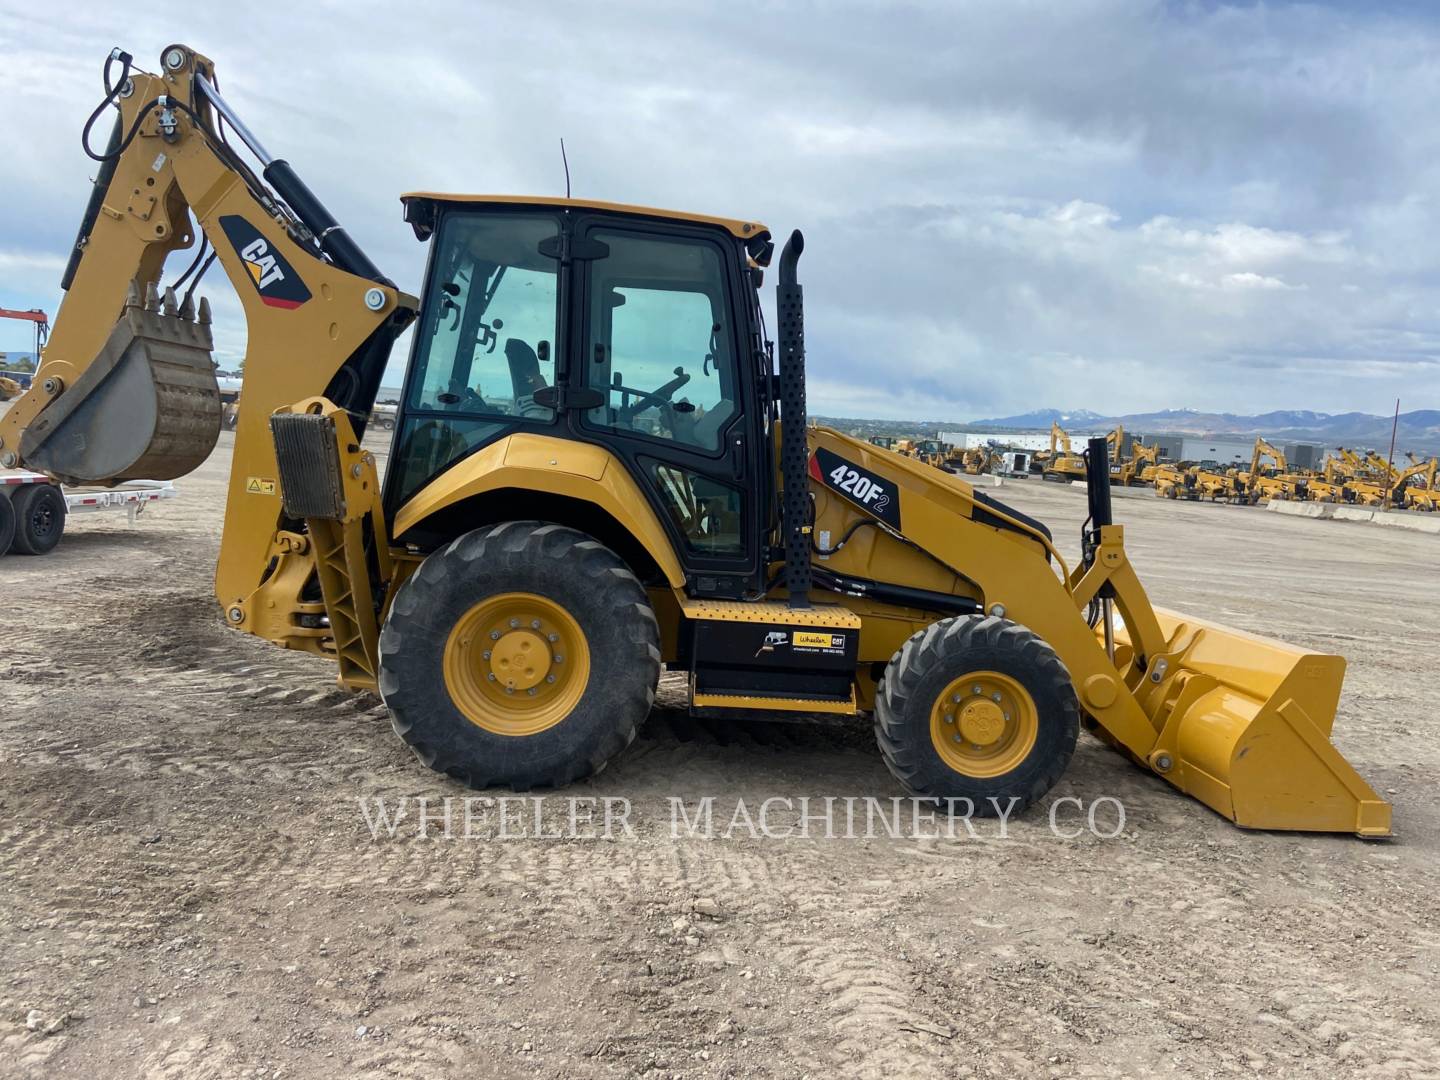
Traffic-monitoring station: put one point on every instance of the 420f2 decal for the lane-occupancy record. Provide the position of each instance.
(861, 486)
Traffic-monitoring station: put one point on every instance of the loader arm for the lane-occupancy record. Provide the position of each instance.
(1241, 723)
(138, 398)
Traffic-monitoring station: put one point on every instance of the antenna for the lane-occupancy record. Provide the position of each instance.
(566, 162)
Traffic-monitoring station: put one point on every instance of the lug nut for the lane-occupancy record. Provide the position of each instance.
(531, 691)
(550, 678)
(559, 659)
(534, 624)
(494, 635)
(977, 690)
(995, 697)
(485, 655)
(554, 638)
(949, 718)
(514, 623)
(492, 676)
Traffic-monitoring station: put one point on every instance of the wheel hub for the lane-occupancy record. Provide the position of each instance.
(520, 659)
(981, 722)
(516, 663)
(984, 723)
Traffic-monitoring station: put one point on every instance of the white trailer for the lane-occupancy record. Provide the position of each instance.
(33, 508)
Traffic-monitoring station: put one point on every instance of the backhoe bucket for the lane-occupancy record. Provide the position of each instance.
(1245, 728)
(147, 408)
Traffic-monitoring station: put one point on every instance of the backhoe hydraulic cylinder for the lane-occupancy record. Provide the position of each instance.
(333, 239)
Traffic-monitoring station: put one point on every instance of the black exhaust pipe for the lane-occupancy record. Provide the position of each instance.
(794, 457)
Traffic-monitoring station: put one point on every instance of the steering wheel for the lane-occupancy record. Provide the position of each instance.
(659, 397)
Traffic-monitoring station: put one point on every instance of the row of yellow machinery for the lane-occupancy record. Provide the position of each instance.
(1348, 476)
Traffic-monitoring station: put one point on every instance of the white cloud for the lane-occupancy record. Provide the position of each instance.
(1095, 204)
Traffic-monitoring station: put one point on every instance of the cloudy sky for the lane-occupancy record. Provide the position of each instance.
(1091, 204)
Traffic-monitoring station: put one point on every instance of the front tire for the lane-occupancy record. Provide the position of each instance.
(522, 655)
(977, 708)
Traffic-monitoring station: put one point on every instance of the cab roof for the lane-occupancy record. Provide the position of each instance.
(743, 230)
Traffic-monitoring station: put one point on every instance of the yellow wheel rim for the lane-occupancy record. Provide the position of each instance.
(516, 664)
(984, 724)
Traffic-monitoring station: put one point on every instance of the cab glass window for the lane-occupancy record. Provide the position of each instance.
(488, 332)
(706, 513)
(486, 341)
(660, 345)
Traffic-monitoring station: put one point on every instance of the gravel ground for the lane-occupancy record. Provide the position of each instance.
(188, 886)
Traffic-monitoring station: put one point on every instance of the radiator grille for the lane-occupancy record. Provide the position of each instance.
(309, 459)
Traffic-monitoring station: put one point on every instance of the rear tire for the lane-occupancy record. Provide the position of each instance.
(39, 519)
(1011, 741)
(472, 667)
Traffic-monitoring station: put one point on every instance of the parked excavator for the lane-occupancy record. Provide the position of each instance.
(1138, 468)
(1273, 481)
(1420, 492)
(1061, 464)
(597, 469)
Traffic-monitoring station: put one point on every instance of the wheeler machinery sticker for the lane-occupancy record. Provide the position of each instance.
(862, 487)
(804, 642)
(275, 279)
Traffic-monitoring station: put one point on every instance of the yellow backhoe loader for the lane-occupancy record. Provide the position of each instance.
(597, 469)
(977, 460)
(9, 388)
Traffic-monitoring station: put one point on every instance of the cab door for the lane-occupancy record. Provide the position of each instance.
(663, 347)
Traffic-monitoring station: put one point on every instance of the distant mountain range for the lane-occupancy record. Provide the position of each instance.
(1418, 430)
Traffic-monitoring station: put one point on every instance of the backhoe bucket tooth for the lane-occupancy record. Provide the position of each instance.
(148, 408)
(1245, 728)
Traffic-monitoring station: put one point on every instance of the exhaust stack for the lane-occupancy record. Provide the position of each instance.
(794, 457)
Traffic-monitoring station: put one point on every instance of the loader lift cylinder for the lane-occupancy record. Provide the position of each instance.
(1097, 494)
(1097, 483)
(794, 458)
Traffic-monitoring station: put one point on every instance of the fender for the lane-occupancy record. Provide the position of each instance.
(559, 466)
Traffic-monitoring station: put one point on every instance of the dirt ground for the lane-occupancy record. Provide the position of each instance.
(189, 889)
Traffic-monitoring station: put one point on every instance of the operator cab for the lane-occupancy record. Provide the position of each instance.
(626, 327)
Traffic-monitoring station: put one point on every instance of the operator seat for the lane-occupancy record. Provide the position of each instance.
(705, 432)
(525, 378)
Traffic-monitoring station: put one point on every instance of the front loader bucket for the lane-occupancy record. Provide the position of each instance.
(147, 408)
(1245, 728)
